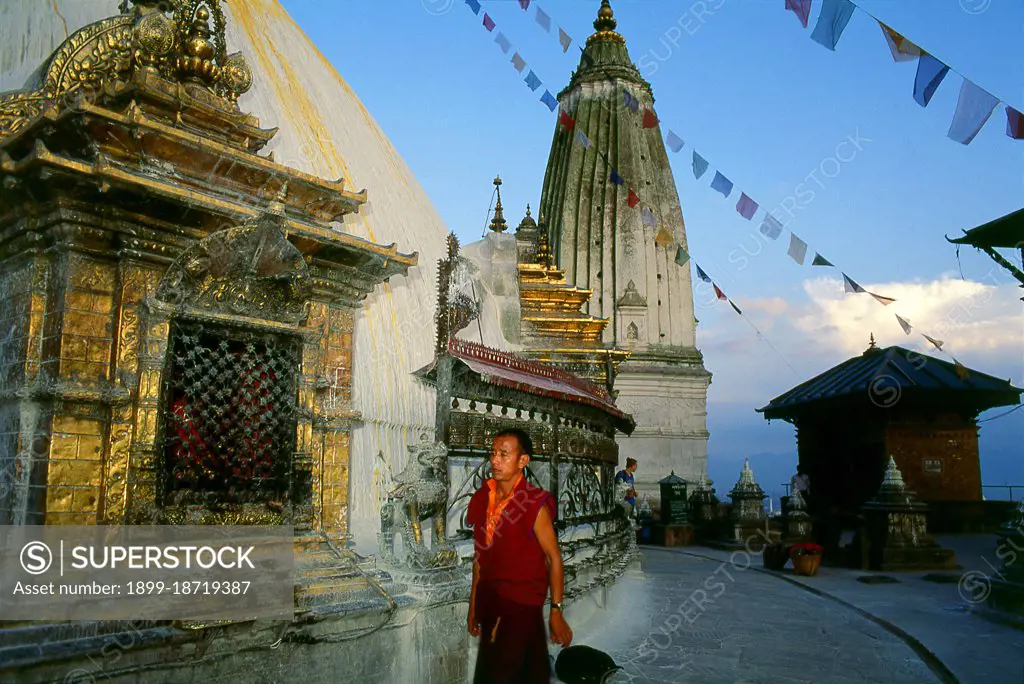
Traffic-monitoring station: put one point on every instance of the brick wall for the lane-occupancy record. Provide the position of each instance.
(938, 458)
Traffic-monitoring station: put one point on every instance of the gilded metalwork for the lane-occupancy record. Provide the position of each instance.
(103, 55)
(96, 54)
(136, 206)
(250, 271)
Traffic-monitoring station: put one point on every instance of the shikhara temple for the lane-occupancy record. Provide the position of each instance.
(218, 276)
(226, 301)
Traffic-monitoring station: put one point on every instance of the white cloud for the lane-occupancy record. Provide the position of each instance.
(975, 320)
(980, 324)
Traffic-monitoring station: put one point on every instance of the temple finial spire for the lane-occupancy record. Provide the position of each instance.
(605, 25)
(498, 224)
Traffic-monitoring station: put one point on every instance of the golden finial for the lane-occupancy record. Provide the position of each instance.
(498, 224)
(543, 253)
(872, 347)
(605, 17)
(605, 25)
(197, 62)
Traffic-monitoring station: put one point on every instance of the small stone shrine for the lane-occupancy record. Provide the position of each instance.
(748, 516)
(898, 403)
(704, 506)
(674, 528)
(797, 524)
(1007, 586)
(897, 529)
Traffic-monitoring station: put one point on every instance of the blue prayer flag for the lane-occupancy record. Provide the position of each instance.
(474, 5)
(930, 73)
(532, 80)
(544, 20)
(835, 15)
(616, 178)
(701, 274)
(674, 141)
(503, 42)
(549, 99)
(700, 165)
(721, 184)
(630, 101)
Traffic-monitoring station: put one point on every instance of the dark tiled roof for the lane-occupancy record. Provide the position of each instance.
(1006, 231)
(884, 375)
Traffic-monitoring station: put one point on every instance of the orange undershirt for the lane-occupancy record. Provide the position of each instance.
(495, 507)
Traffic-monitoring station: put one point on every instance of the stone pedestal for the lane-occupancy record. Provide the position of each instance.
(703, 508)
(1007, 587)
(897, 529)
(673, 535)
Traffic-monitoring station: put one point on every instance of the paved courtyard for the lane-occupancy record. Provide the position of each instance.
(700, 615)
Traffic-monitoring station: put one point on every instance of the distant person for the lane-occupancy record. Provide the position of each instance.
(624, 481)
(801, 482)
(517, 560)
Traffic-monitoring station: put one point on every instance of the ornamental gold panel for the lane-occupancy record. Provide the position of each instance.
(59, 499)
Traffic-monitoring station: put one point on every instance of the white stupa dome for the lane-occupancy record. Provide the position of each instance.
(324, 130)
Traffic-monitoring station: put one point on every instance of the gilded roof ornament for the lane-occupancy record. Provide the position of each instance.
(170, 40)
(498, 224)
(543, 255)
(527, 223)
(605, 25)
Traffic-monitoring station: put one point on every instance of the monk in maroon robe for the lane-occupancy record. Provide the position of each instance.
(517, 560)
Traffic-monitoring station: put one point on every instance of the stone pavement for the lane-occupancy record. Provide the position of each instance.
(703, 616)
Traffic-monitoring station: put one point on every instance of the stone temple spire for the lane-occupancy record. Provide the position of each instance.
(498, 224)
(601, 245)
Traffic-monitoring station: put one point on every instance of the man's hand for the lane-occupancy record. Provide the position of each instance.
(472, 623)
(560, 631)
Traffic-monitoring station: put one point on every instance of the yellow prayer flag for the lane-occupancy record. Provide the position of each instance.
(902, 49)
(663, 238)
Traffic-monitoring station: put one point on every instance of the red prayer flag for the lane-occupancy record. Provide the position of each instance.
(746, 206)
(801, 8)
(719, 293)
(566, 120)
(650, 119)
(1014, 123)
(633, 200)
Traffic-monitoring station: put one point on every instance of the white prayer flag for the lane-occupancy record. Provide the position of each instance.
(797, 249)
(771, 227)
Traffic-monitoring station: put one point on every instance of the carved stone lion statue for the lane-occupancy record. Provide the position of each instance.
(421, 495)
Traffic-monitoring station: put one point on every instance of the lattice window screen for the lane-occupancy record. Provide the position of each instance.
(229, 414)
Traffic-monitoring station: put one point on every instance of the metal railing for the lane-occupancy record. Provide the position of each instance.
(1009, 492)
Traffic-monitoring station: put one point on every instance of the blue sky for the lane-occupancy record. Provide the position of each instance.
(744, 84)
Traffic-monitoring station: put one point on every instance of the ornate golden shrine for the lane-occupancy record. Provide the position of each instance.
(134, 203)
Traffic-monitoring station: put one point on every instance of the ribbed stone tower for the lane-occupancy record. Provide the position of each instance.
(602, 245)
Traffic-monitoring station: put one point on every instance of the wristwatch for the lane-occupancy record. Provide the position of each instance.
(558, 606)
